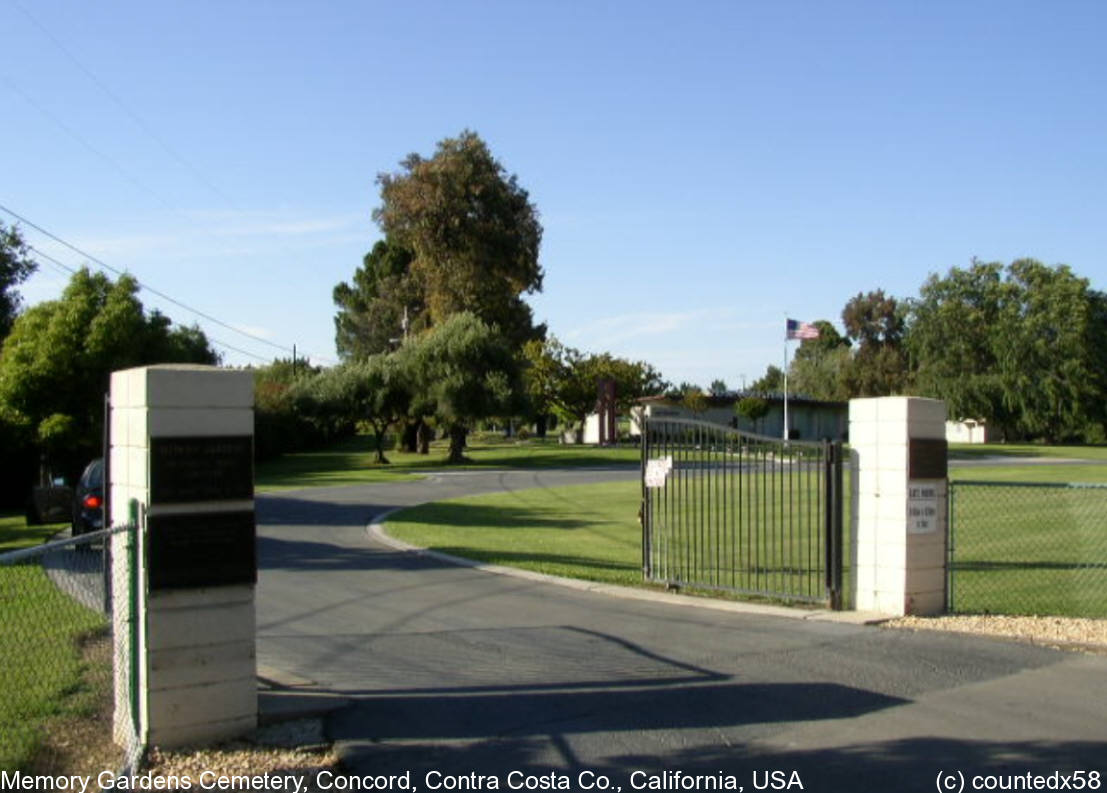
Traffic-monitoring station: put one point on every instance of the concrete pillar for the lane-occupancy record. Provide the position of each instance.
(899, 521)
(182, 446)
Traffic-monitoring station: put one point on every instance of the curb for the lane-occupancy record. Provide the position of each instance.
(375, 531)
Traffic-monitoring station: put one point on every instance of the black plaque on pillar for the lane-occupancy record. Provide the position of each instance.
(204, 549)
(187, 470)
(927, 458)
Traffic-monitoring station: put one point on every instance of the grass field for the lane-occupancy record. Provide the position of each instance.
(1025, 450)
(1021, 549)
(592, 532)
(15, 533)
(352, 461)
(582, 531)
(53, 667)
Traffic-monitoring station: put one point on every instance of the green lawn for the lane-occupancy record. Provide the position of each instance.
(582, 531)
(1029, 550)
(15, 533)
(352, 461)
(53, 662)
(592, 532)
(1016, 450)
(1032, 473)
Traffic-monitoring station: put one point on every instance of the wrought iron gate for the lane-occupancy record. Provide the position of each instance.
(729, 510)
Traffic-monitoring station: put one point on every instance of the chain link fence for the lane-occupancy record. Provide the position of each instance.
(1028, 548)
(58, 657)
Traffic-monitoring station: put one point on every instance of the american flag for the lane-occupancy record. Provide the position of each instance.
(801, 330)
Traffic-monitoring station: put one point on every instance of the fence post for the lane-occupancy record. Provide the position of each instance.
(644, 507)
(832, 476)
(900, 515)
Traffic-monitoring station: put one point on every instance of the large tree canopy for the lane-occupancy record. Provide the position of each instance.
(820, 369)
(55, 364)
(383, 303)
(564, 381)
(464, 370)
(473, 233)
(1021, 347)
(15, 267)
(875, 323)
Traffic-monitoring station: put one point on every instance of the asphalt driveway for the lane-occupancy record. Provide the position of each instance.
(455, 671)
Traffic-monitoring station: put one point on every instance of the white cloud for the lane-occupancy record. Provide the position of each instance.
(204, 233)
(255, 330)
(618, 330)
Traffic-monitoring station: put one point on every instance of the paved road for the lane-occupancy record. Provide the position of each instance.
(454, 670)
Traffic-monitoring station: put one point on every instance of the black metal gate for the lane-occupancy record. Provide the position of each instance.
(733, 511)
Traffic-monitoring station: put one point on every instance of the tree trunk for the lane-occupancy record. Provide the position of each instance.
(410, 436)
(540, 426)
(457, 444)
(379, 434)
(423, 436)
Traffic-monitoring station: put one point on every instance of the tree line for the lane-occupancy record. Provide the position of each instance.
(1021, 346)
(436, 336)
(434, 327)
(56, 359)
(434, 333)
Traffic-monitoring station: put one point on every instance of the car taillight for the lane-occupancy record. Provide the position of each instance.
(93, 502)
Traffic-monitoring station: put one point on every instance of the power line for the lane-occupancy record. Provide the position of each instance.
(142, 285)
(137, 119)
(63, 267)
(80, 139)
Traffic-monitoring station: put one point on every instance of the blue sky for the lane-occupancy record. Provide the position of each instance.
(703, 170)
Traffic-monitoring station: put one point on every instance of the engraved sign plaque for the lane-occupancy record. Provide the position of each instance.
(186, 470)
(201, 550)
(927, 458)
(923, 507)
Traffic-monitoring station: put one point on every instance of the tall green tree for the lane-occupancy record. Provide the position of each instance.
(473, 232)
(15, 267)
(564, 380)
(56, 362)
(956, 337)
(383, 395)
(383, 303)
(820, 367)
(772, 382)
(874, 322)
(468, 371)
(1020, 346)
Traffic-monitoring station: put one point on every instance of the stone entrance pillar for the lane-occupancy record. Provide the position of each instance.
(899, 521)
(182, 447)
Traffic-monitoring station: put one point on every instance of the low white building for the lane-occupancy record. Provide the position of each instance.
(968, 431)
(809, 419)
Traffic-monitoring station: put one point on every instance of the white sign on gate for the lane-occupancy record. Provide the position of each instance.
(657, 471)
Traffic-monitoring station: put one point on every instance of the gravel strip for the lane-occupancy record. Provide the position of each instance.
(300, 752)
(1070, 633)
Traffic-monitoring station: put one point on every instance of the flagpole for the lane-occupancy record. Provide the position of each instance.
(785, 431)
(786, 383)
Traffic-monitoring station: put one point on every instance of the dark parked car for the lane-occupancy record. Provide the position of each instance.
(88, 499)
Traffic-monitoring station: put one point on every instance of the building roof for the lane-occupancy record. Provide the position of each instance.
(730, 399)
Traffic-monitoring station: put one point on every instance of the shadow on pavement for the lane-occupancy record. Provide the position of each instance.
(278, 554)
(276, 510)
(720, 704)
